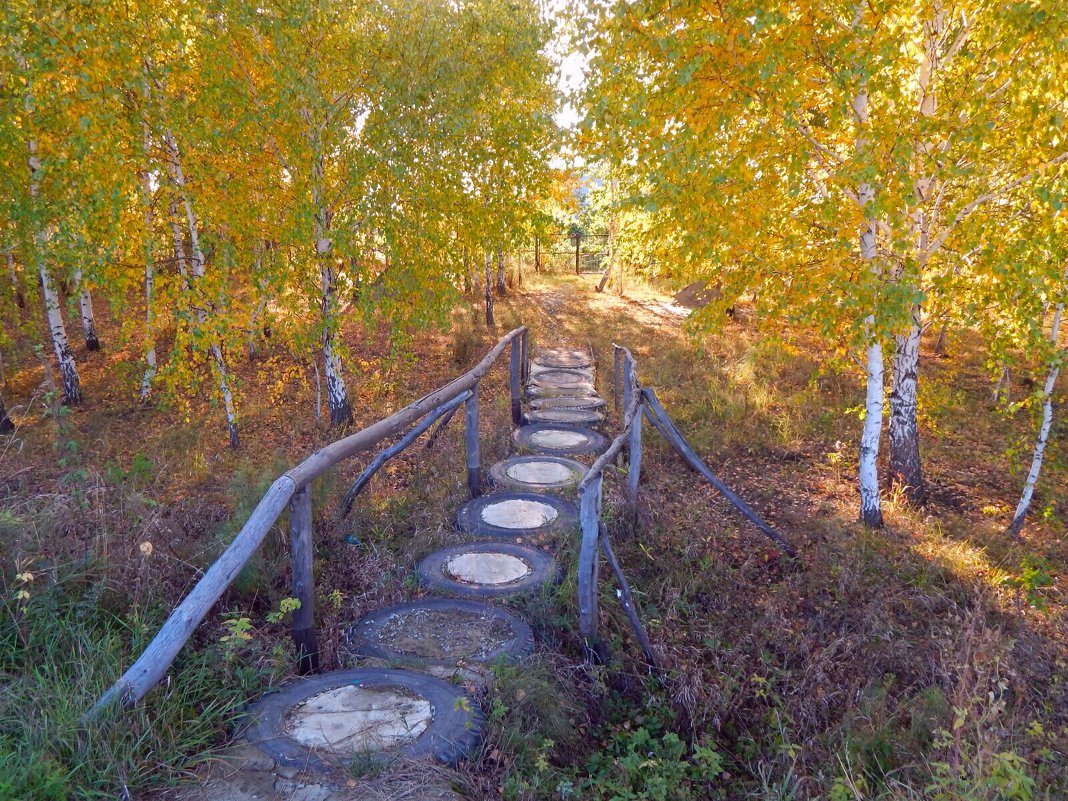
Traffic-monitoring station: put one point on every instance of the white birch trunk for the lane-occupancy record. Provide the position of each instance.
(1047, 420)
(149, 252)
(193, 279)
(1001, 388)
(490, 323)
(501, 288)
(905, 465)
(337, 396)
(868, 464)
(85, 308)
(68, 369)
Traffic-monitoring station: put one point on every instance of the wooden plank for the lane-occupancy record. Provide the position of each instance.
(328, 456)
(474, 469)
(635, 468)
(617, 354)
(589, 519)
(513, 383)
(301, 558)
(396, 448)
(151, 666)
(660, 420)
(627, 599)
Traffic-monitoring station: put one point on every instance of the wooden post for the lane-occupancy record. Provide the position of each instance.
(578, 248)
(474, 469)
(617, 355)
(537, 254)
(635, 460)
(589, 518)
(628, 384)
(525, 357)
(627, 599)
(301, 553)
(513, 382)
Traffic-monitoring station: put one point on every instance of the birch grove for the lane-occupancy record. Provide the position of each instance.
(365, 142)
(742, 139)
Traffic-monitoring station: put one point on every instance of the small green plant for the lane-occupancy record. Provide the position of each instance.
(638, 766)
(1034, 577)
(286, 607)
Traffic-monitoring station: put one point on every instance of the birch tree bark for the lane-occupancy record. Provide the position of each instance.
(1047, 418)
(85, 308)
(194, 280)
(145, 183)
(501, 288)
(337, 397)
(868, 473)
(905, 465)
(68, 369)
(490, 323)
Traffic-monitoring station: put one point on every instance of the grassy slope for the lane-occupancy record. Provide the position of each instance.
(834, 675)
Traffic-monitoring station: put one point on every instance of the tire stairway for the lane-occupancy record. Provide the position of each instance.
(406, 707)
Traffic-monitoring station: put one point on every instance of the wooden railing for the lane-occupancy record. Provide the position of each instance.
(638, 402)
(293, 490)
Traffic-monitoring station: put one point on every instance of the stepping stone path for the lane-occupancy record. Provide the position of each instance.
(404, 707)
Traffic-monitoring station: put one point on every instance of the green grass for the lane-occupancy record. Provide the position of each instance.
(61, 647)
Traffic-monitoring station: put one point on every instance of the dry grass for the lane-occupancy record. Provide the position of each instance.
(837, 673)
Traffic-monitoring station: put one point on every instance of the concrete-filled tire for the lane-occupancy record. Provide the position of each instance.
(578, 391)
(560, 378)
(454, 732)
(500, 515)
(575, 417)
(536, 473)
(369, 636)
(589, 402)
(558, 439)
(563, 358)
(435, 573)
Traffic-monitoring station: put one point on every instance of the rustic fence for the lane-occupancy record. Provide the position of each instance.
(637, 403)
(293, 490)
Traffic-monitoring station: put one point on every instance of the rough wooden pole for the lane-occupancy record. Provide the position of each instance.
(302, 551)
(513, 383)
(635, 470)
(627, 599)
(662, 423)
(578, 248)
(525, 339)
(617, 354)
(474, 469)
(590, 519)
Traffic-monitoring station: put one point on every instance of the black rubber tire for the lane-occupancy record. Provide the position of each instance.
(560, 378)
(362, 636)
(580, 391)
(454, 733)
(565, 402)
(498, 474)
(469, 517)
(595, 443)
(543, 570)
(563, 358)
(575, 417)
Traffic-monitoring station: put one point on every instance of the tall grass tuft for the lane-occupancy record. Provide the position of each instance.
(61, 645)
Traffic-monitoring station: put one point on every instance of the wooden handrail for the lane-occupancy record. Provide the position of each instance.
(152, 664)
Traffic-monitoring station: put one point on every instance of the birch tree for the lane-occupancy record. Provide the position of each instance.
(1056, 360)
